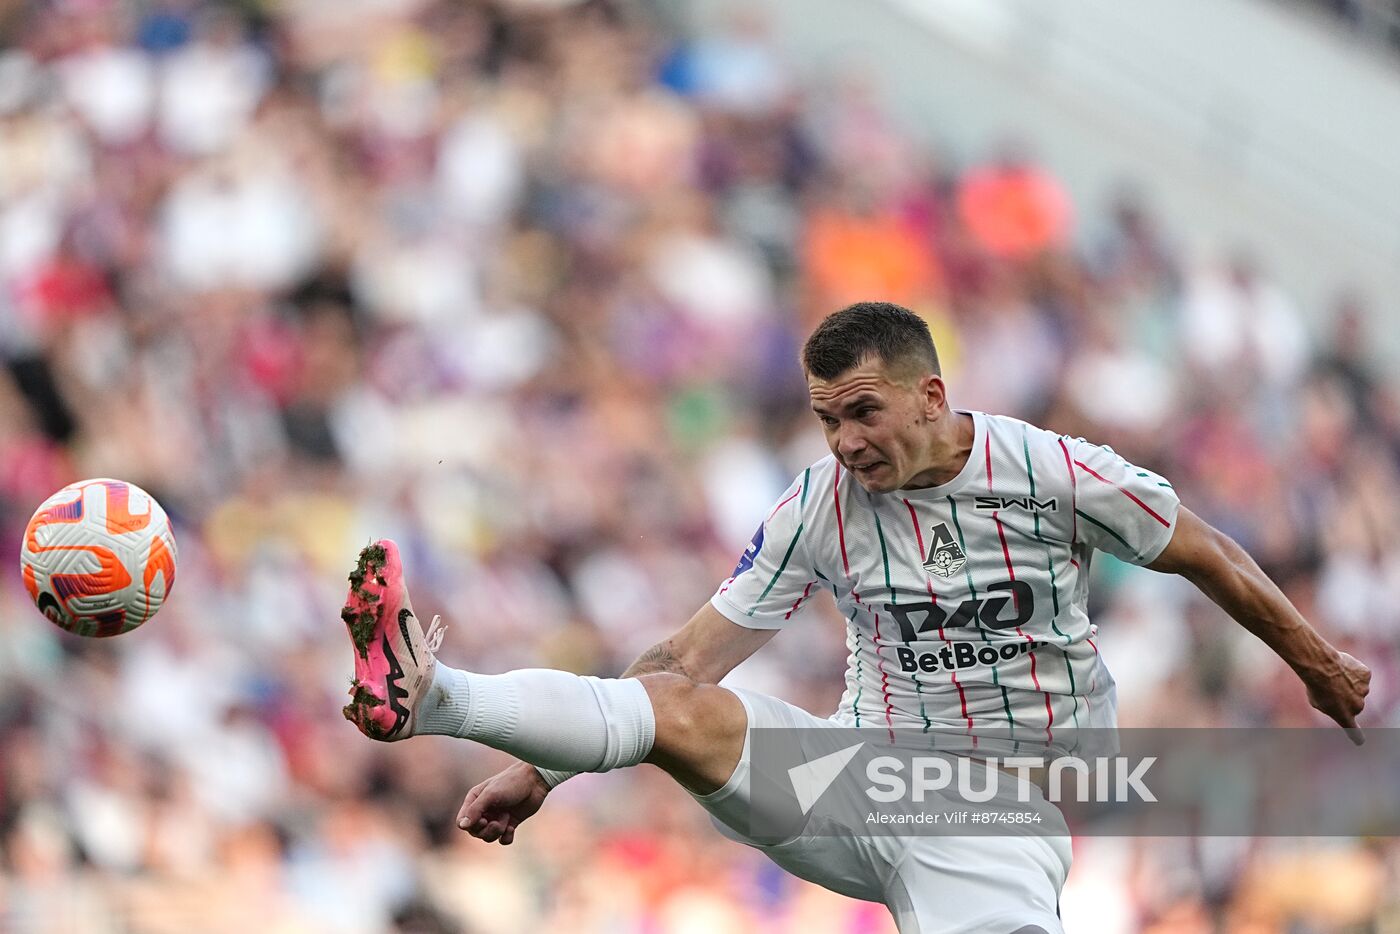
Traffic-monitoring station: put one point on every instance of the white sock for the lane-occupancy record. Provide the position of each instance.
(551, 719)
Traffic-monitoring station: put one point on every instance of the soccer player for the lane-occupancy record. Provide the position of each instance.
(957, 546)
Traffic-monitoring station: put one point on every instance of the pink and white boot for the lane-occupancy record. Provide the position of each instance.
(394, 659)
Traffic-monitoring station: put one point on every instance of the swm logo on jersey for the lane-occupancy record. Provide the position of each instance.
(1028, 503)
(945, 556)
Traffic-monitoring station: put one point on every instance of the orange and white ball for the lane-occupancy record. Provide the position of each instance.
(98, 557)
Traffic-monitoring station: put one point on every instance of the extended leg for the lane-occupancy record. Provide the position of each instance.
(552, 719)
(557, 720)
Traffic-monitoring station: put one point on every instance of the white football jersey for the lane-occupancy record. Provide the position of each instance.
(965, 603)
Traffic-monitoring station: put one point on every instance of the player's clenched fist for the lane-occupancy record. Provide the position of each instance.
(1342, 693)
(493, 809)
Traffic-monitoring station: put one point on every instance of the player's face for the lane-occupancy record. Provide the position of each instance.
(877, 423)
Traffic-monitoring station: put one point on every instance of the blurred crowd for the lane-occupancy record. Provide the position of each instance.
(521, 285)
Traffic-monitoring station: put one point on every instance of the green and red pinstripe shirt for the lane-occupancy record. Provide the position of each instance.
(966, 603)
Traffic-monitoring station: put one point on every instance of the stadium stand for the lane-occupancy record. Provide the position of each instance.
(560, 260)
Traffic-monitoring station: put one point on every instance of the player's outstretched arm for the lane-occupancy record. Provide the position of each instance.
(704, 650)
(1336, 682)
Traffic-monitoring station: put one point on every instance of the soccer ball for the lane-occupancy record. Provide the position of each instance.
(98, 557)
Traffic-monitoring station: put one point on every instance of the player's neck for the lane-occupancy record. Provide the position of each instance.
(948, 454)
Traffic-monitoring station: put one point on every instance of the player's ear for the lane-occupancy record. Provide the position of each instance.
(935, 396)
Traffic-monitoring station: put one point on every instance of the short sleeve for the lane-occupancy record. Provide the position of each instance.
(1120, 508)
(772, 583)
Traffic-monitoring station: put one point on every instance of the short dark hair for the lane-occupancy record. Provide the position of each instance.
(891, 333)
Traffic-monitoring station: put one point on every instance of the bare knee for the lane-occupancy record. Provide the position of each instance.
(689, 713)
(699, 730)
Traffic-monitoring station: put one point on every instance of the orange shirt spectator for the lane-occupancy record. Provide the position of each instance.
(851, 257)
(1014, 210)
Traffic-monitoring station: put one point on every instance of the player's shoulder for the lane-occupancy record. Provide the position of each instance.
(803, 490)
(1026, 453)
(808, 501)
(825, 471)
(1019, 433)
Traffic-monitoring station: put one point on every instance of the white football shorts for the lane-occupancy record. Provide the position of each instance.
(931, 884)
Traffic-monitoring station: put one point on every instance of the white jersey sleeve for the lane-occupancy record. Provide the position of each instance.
(774, 579)
(1120, 508)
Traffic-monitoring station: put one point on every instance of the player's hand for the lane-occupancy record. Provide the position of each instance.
(1342, 695)
(493, 809)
